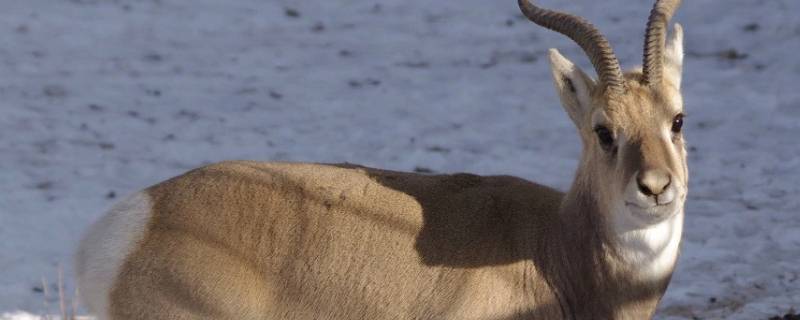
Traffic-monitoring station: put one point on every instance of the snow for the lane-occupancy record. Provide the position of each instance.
(102, 98)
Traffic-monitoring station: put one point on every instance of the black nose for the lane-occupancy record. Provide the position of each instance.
(653, 182)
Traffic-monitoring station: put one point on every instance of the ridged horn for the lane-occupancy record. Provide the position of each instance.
(655, 40)
(586, 35)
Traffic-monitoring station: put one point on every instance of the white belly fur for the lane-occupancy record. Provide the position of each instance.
(104, 248)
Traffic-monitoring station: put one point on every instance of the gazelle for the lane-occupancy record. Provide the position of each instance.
(253, 240)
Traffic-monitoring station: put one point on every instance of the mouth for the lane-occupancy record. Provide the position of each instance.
(640, 207)
(651, 213)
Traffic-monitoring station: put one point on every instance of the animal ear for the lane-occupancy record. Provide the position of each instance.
(673, 57)
(573, 86)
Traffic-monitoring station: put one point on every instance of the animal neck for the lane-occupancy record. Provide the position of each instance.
(607, 270)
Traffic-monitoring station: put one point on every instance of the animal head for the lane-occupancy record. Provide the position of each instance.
(630, 123)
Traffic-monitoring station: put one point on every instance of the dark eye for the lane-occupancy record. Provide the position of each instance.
(677, 123)
(605, 137)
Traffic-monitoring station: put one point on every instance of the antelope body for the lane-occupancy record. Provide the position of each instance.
(258, 240)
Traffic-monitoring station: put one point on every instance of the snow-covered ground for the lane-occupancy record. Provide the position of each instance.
(99, 98)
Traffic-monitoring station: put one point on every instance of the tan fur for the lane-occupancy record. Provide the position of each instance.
(309, 241)
(257, 240)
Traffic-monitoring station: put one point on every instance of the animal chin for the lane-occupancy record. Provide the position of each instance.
(652, 214)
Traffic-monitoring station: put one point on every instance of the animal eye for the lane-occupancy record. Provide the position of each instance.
(605, 137)
(677, 123)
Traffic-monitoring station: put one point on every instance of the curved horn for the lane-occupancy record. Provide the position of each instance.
(655, 40)
(586, 36)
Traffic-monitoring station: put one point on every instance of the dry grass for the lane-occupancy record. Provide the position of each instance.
(67, 306)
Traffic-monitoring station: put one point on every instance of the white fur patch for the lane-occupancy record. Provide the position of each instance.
(104, 248)
(653, 250)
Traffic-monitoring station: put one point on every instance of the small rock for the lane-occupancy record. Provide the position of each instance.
(154, 92)
(415, 64)
(275, 95)
(733, 54)
(751, 27)
(345, 53)
(354, 83)
(438, 149)
(292, 13)
(153, 57)
(493, 61)
(106, 145)
(318, 27)
(44, 185)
